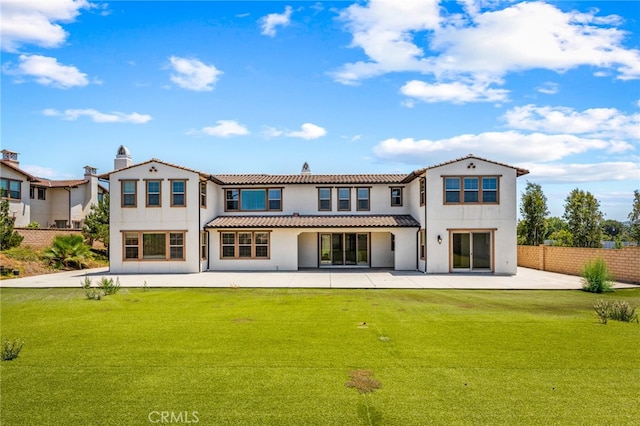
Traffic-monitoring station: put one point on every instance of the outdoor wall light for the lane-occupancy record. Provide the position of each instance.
(439, 239)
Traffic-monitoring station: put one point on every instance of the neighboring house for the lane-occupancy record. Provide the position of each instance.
(455, 216)
(50, 203)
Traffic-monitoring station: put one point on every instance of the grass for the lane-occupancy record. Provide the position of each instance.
(283, 356)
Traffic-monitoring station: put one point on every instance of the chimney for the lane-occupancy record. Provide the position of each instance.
(10, 156)
(123, 158)
(305, 169)
(90, 171)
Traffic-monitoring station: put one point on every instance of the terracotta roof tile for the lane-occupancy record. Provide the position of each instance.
(265, 179)
(308, 221)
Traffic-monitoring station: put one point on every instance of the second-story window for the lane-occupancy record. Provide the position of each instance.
(203, 194)
(324, 199)
(471, 190)
(153, 193)
(423, 191)
(10, 189)
(129, 193)
(396, 196)
(178, 193)
(363, 198)
(344, 199)
(262, 199)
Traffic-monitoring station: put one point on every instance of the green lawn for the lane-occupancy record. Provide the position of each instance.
(258, 356)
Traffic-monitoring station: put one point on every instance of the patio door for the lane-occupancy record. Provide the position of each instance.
(471, 251)
(344, 249)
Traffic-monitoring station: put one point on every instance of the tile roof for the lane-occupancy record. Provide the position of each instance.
(519, 171)
(265, 179)
(18, 169)
(309, 221)
(59, 183)
(155, 160)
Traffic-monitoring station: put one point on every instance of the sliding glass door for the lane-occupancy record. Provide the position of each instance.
(471, 251)
(344, 249)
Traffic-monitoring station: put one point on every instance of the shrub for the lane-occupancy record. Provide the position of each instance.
(68, 251)
(596, 277)
(33, 225)
(11, 349)
(619, 310)
(108, 287)
(22, 253)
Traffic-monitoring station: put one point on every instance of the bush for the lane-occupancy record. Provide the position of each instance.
(596, 277)
(11, 349)
(22, 253)
(619, 310)
(108, 287)
(68, 251)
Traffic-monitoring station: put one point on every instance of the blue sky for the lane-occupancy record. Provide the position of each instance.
(350, 87)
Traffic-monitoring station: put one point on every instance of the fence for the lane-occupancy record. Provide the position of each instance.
(623, 264)
(39, 238)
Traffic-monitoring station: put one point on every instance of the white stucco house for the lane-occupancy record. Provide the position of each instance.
(50, 203)
(450, 217)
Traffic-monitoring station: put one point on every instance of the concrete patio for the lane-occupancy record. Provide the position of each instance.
(526, 279)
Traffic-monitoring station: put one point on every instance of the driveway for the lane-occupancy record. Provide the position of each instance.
(525, 279)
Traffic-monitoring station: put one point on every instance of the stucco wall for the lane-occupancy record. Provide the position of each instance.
(623, 264)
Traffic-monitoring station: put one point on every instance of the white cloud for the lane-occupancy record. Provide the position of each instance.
(44, 172)
(223, 128)
(48, 71)
(548, 88)
(482, 44)
(99, 117)
(192, 74)
(595, 122)
(37, 22)
(308, 131)
(565, 173)
(511, 146)
(456, 92)
(270, 22)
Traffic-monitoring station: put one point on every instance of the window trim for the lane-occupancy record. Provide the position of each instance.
(135, 193)
(184, 194)
(8, 194)
(399, 197)
(167, 246)
(461, 189)
(368, 199)
(330, 199)
(236, 244)
(239, 200)
(146, 192)
(348, 209)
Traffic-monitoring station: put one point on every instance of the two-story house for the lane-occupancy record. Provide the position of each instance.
(455, 216)
(50, 203)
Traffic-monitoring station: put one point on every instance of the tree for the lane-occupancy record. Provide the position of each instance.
(612, 228)
(555, 224)
(634, 217)
(96, 223)
(8, 236)
(584, 219)
(534, 211)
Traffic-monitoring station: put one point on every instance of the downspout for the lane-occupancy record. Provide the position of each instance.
(425, 223)
(199, 228)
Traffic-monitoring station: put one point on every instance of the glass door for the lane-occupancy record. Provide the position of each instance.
(471, 251)
(348, 249)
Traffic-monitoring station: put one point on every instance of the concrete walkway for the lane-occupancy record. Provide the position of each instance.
(525, 279)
